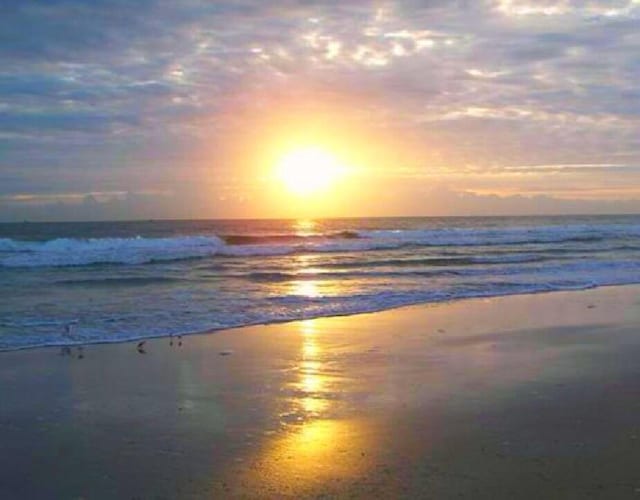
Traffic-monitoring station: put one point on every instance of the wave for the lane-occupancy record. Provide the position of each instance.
(139, 250)
(439, 261)
(115, 281)
(63, 252)
(275, 276)
(577, 233)
(291, 308)
(265, 239)
(584, 267)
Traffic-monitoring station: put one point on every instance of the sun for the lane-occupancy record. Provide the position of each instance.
(306, 171)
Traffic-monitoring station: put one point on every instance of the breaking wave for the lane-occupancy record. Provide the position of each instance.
(122, 281)
(139, 250)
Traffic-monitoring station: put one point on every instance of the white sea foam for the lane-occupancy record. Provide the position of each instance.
(79, 252)
(287, 308)
(76, 252)
(258, 277)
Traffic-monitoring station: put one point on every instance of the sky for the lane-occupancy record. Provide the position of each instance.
(113, 109)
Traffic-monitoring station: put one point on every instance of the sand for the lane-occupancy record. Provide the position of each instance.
(517, 397)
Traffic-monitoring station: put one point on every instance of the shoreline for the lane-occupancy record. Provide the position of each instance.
(517, 396)
(310, 318)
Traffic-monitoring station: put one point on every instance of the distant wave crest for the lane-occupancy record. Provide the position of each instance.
(139, 250)
(81, 252)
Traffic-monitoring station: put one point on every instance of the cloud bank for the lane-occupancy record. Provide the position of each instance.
(510, 99)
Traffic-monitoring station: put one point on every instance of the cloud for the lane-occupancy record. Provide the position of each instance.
(96, 93)
(435, 201)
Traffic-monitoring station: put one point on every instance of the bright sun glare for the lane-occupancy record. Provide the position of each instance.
(306, 171)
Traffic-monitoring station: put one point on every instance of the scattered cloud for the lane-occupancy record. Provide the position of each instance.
(112, 96)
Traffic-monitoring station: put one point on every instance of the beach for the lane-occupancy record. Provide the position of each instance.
(319, 249)
(526, 396)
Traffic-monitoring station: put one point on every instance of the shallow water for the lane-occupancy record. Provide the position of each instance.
(66, 283)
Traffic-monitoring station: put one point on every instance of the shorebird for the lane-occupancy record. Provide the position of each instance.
(140, 347)
(66, 350)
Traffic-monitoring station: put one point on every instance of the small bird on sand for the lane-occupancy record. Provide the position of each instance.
(140, 347)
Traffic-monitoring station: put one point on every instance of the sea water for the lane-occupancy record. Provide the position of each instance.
(88, 282)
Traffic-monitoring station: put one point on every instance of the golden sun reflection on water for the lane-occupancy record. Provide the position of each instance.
(305, 227)
(312, 289)
(312, 281)
(306, 288)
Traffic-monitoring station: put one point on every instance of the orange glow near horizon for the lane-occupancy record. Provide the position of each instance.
(308, 161)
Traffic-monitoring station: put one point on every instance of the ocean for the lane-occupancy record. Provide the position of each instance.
(94, 282)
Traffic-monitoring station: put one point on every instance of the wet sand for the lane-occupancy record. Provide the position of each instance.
(518, 397)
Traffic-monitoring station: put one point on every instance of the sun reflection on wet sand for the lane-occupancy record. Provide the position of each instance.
(319, 449)
(310, 461)
(312, 382)
(319, 446)
(316, 447)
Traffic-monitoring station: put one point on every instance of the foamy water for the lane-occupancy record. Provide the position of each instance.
(128, 280)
